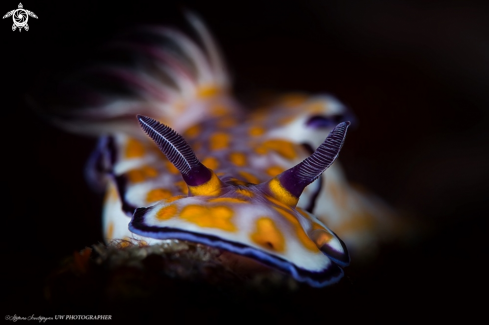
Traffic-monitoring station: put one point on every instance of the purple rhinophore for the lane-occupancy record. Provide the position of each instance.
(177, 150)
(298, 177)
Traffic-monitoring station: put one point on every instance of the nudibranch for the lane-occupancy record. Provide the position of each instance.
(260, 221)
(248, 182)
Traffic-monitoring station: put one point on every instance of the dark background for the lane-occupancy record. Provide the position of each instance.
(416, 74)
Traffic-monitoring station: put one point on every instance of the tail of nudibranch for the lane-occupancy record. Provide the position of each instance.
(165, 74)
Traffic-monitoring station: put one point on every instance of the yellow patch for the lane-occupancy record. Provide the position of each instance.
(281, 194)
(141, 174)
(208, 91)
(287, 215)
(149, 172)
(282, 147)
(245, 192)
(110, 231)
(219, 110)
(274, 170)
(158, 194)
(317, 107)
(174, 198)
(277, 202)
(228, 200)
(261, 150)
(211, 163)
(321, 235)
(293, 100)
(238, 158)
(166, 213)
(211, 188)
(301, 234)
(219, 141)
(135, 176)
(256, 131)
(134, 149)
(227, 122)
(249, 177)
(111, 194)
(322, 238)
(192, 131)
(267, 235)
(209, 217)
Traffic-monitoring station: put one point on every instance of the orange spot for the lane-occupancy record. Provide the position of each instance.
(280, 193)
(288, 215)
(219, 141)
(317, 107)
(249, 177)
(267, 235)
(322, 237)
(227, 122)
(134, 149)
(211, 163)
(166, 213)
(140, 175)
(227, 200)
(157, 194)
(110, 231)
(210, 188)
(245, 192)
(277, 202)
(192, 131)
(219, 110)
(292, 100)
(177, 197)
(256, 131)
(301, 234)
(111, 194)
(319, 234)
(282, 147)
(209, 217)
(238, 158)
(135, 176)
(305, 214)
(208, 91)
(149, 171)
(274, 170)
(261, 150)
